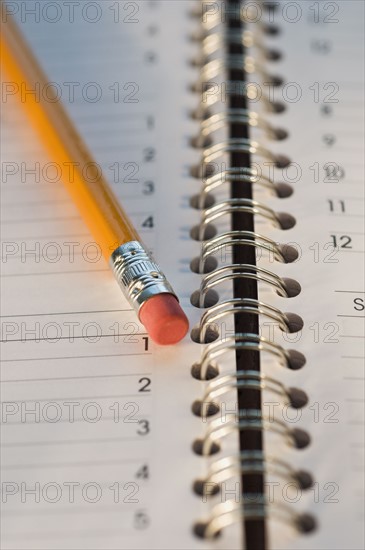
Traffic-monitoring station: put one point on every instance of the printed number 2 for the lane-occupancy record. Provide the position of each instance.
(146, 382)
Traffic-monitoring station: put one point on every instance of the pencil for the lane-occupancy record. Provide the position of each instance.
(142, 281)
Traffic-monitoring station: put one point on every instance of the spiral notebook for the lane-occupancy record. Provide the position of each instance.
(233, 134)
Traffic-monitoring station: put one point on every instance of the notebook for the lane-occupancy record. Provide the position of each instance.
(233, 134)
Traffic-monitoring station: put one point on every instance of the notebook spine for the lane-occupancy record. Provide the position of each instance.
(217, 63)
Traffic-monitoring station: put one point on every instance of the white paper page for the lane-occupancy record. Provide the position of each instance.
(322, 67)
(105, 459)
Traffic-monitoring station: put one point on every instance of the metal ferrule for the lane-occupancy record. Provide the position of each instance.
(137, 274)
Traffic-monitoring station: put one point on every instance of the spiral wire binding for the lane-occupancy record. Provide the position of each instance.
(253, 507)
(247, 341)
(217, 42)
(239, 238)
(247, 378)
(241, 305)
(235, 271)
(212, 123)
(214, 62)
(249, 462)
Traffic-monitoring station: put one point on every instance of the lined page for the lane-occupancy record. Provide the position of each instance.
(97, 425)
(322, 67)
(76, 374)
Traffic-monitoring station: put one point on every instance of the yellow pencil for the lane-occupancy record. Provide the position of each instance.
(140, 278)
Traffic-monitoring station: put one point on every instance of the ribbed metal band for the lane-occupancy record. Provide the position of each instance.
(137, 274)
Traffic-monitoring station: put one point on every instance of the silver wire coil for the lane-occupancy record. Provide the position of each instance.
(219, 67)
(244, 341)
(249, 420)
(239, 238)
(223, 384)
(239, 271)
(217, 41)
(215, 61)
(249, 462)
(237, 145)
(237, 116)
(252, 506)
(230, 206)
(236, 306)
(209, 97)
(239, 175)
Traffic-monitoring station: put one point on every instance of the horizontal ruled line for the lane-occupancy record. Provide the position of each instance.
(40, 220)
(59, 338)
(47, 237)
(49, 273)
(41, 257)
(56, 202)
(121, 419)
(73, 442)
(89, 377)
(72, 464)
(36, 203)
(73, 357)
(352, 291)
(81, 398)
(344, 198)
(348, 251)
(351, 336)
(352, 316)
(83, 509)
(65, 313)
(349, 216)
(59, 535)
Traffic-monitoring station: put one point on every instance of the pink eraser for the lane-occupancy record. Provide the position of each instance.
(165, 321)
